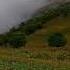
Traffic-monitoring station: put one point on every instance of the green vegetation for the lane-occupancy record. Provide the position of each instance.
(13, 39)
(3, 40)
(11, 65)
(35, 53)
(56, 40)
(17, 40)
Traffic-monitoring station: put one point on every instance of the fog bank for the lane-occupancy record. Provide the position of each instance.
(12, 12)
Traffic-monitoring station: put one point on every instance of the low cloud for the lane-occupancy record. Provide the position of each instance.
(12, 12)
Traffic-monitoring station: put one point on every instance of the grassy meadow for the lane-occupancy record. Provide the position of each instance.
(37, 55)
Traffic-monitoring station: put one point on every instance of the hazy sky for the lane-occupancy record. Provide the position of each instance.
(13, 12)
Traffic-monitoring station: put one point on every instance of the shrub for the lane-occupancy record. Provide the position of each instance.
(29, 29)
(56, 40)
(3, 40)
(17, 40)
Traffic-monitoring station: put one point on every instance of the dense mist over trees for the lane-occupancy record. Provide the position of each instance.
(13, 12)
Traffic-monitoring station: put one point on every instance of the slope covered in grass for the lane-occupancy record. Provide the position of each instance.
(37, 55)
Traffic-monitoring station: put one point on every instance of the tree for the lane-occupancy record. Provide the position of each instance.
(17, 40)
(3, 40)
(56, 40)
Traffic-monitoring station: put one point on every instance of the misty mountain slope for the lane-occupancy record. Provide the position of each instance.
(43, 17)
(37, 54)
(12, 12)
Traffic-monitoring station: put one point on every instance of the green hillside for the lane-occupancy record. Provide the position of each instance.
(36, 54)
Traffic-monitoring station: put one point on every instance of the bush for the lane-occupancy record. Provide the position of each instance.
(17, 40)
(3, 40)
(31, 28)
(56, 40)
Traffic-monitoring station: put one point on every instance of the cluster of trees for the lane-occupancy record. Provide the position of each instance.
(13, 40)
(64, 9)
(57, 40)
